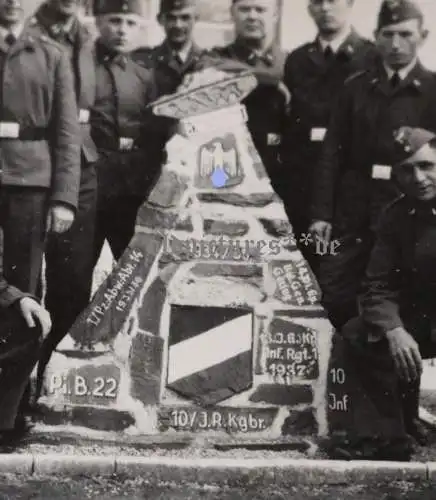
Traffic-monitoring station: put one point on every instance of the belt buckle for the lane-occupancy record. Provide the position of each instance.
(84, 116)
(9, 130)
(125, 143)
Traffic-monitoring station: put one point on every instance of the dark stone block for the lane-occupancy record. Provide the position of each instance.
(239, 200)
(149, 313)
(156, 218)
(300, 423)
(291, 352)
(146, 368)
(236, 270)
(216, 418)
(101, 419)
(168, 190)
(103, 318)
(184, 225)
(276, 227)
(295, 282)
(227, 228)
(288, 395)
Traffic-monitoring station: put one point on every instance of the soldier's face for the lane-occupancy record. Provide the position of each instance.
(119, 32)
(330, 16)
(254, 19)
(11, 11)
(66, 7)
(179, 25)
(417, 176)
(399, 43)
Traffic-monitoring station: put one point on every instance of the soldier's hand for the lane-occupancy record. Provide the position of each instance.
(405, 352)
(32, 311)
(60, 218)
(322, 229)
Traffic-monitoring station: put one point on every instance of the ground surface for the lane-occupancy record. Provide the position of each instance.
(15, 488)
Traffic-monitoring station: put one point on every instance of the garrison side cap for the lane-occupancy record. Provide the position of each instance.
(408, 140)
(169, 5)
(102, 7)
(397, 11)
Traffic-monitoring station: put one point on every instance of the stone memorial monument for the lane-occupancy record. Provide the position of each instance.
(211, 321)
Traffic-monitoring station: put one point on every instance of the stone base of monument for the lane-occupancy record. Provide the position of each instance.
(211, 322)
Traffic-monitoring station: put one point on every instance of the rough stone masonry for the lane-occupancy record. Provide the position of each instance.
(211, 320)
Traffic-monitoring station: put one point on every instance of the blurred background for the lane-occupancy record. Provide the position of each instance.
(295, 26)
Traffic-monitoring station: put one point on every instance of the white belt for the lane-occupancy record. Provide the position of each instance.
(84, 116)
(125, 143)
(9, 130)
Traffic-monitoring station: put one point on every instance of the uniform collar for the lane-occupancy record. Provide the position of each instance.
(337, 42)
(16, 31)
(184, 53)
(402, 73)
(416, 207)
(165, 53)
(245, 53)
(107, 56)
(417, 77)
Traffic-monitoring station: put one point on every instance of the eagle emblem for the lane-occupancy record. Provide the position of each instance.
(219, 164)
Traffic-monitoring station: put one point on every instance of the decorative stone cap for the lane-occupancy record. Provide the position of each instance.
(206, 91)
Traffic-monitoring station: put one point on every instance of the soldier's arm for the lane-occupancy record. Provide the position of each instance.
(8, 294)
(66, 135)
(381, 288)
(326, 171)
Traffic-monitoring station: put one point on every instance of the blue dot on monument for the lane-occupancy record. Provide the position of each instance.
(219, 177)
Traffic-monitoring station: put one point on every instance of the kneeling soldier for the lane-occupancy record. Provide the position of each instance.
(23, 324)
(381, 352)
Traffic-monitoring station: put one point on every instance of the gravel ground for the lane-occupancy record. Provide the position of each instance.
(120, 488)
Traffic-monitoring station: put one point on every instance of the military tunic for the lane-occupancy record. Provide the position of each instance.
(314, 82)
(124, 89)
(69, 256)
(352, 179)
(41, 164)
(266, 105)
(399, 291)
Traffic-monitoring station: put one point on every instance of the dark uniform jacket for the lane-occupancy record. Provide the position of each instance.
(169, 73)
(37, 92)
(350, 185)
(314, 82)
(124, 89)
(82, 44)
(400, 283)
(267, 104)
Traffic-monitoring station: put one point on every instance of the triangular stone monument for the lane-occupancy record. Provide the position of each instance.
(211, 320)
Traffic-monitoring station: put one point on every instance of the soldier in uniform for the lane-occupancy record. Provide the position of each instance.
(40, 145)
(255, 48)
(69, 257)
(352, 179)
(381, 351)
(23, 322)
(178, 55)
(314, 74)
(124, 89)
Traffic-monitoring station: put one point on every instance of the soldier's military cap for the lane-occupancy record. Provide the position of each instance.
(169, 5)
(397, 11)
(409, 141)
(102, 7)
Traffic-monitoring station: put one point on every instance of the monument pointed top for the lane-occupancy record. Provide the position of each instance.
(206, 91)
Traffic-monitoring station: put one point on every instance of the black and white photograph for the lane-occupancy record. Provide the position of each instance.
(218, 249)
